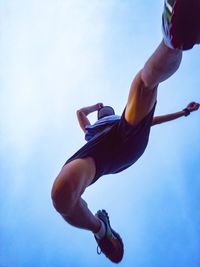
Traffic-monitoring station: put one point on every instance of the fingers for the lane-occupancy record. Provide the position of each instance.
(197, 105)
(99, 105)
(193, 106)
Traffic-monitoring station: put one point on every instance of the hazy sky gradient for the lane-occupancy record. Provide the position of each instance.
(58, 56)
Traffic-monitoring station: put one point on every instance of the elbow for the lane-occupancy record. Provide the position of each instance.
(79, 113)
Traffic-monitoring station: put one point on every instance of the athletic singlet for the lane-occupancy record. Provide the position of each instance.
(100, 125)
(118, 146)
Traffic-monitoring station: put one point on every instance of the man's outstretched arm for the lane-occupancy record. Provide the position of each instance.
(193, 106)
(84, 112)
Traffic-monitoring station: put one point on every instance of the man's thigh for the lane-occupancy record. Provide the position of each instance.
(76, 175)
(141, 100)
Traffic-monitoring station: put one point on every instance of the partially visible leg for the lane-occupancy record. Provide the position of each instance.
(143, 92)
(67, 190)
(181, 31)
(66, 195)
(82, 217)
(161, 65)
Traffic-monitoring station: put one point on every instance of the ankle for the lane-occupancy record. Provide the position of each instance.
(102, 230)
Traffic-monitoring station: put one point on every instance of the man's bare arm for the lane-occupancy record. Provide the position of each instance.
(84, 112)
(193, 106)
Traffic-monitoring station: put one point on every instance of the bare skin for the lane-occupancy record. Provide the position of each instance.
(76, 176)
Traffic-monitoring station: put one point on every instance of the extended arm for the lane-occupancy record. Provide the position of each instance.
(193, 106)
(84, 112)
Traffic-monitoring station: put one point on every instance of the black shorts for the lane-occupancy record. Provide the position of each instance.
(117, 147)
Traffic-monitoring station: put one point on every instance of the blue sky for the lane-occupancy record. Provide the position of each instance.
(58, 56)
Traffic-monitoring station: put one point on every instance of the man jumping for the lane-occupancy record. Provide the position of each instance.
(117, 142)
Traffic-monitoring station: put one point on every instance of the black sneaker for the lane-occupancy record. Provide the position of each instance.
(111, 244)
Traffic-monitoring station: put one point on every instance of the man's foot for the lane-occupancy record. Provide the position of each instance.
(181, 23)
(111, 244)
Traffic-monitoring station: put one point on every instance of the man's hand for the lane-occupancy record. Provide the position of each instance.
(99, 106)
(84, 112)
(193, 106)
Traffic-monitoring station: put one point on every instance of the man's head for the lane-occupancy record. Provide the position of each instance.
(105, 111)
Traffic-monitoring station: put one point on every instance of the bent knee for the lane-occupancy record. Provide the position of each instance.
(71, 183)
(64, 195)
(148, 76)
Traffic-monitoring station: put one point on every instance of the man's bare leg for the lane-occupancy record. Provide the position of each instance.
(66, 195)
(143, 92)
(67, 190)
(82, 217)
(163, 63)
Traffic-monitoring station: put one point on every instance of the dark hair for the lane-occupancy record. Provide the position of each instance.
(105, 111)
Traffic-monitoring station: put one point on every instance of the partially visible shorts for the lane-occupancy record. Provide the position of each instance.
(117, 147)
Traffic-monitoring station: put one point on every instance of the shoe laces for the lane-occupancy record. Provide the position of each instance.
(99, 251)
